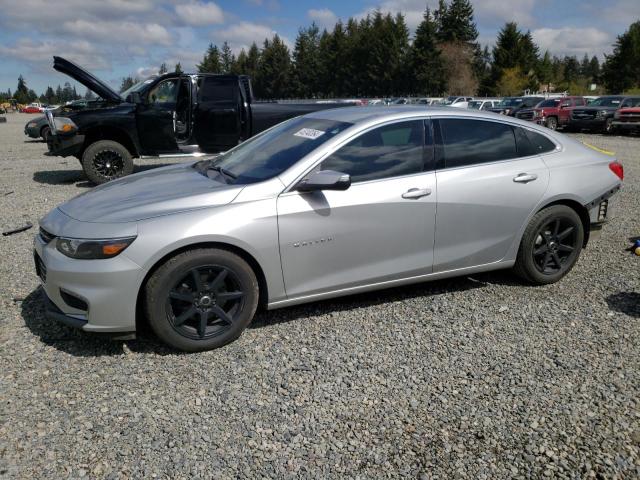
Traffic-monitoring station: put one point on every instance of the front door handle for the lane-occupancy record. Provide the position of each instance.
(525, 177)
(415, 193)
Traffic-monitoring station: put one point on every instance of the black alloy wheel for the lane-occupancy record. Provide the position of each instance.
(554, 245)
(205, 302)
(108, 163)
(552, 123)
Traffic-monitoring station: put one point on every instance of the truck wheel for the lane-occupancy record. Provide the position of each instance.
(551, 123)
(44, 133)
(608, 126)
(105, 160)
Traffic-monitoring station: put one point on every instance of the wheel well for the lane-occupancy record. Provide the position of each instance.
(582, 212)
(109, 133)
(141, 321)
(42, 129)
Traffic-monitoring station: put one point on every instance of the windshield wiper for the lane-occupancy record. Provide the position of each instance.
(223, 171)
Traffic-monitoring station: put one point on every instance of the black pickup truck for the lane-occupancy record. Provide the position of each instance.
(168, 115)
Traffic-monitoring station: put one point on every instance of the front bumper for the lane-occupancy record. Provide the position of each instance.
(626, 125)
(32, 132)
(588, 124)
(103, 293)
(65, 146)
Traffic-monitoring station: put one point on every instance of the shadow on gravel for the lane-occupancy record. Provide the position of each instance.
(67, 177)
(625, 302)
(79, 343)
(84, 344)
(352, 302)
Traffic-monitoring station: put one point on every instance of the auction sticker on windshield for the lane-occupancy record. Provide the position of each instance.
(310, 133)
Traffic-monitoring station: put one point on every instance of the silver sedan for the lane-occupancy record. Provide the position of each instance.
(327, 204)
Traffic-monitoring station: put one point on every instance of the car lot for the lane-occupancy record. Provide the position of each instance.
(477, 375)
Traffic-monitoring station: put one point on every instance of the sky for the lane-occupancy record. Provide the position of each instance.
(116, 38)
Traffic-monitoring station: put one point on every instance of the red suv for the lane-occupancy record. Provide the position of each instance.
(553, 112)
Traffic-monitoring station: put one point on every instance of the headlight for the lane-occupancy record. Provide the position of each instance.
(31, 124)
(537, 113)
(616, 115)
(64, 125)
(602, 113)
(92, 249)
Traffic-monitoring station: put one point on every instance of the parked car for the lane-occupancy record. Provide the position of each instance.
(458, 102)
(553, 112)
(627, 119)
(483, 103)
(168, 115)
(512, 105)
(34, 107)
(39, 127)
(331, 203)
(599, 114)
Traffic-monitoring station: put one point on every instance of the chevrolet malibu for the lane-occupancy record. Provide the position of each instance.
(328, 204)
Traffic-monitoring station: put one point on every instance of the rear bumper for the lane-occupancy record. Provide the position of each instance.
(66, 146)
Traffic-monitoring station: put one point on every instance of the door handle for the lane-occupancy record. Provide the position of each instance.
(525, 177)
(415, 193)
(174, 117)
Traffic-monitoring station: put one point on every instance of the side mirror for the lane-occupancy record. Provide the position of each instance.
(325, 180)
(565, 105)
(134, 97)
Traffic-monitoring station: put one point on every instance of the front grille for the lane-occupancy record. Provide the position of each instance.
(41, 268)
(46, 236)
(525, 115)
(583, 114)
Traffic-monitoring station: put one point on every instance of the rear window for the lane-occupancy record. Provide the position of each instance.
(532, 143)
(217, 90)
(469, 142)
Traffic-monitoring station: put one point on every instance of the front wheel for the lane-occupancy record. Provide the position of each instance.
(608, 126)
(44, 133)
(550, 246)
(551, 123)
(105, 160)
(201, 299)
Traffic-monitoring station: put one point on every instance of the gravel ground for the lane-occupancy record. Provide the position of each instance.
(468, 378)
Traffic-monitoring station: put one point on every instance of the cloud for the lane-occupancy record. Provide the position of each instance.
(323, 17)
(39, 54)
(243, 34)
(125, 32)
(573, 41)
(496, 12)
(200, 14)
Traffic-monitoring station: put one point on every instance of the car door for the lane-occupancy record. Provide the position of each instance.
(155, 118)
(379, 229)
(217, 113)
(488, 184)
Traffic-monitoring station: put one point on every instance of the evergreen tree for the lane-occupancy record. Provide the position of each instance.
(163, 69)
(456, 23)
(59, 94)
(571, 70)
(427, 67)
(127, 83)
(227, 59)
(515, 49)
(545, 70)
(88, 95)
(50, 96)
(22, 92)
(239, 67)
(306, 62)
(593, 73)
(178, 68)
(211, 61)
(621, 70)
(274, 70)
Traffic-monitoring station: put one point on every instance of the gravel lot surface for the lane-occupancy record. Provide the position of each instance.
(475, 377)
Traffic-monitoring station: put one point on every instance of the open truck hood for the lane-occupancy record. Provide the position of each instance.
(87, 79)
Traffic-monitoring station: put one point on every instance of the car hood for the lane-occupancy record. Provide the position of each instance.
(630, 110)
(162, 191)
(87, 79)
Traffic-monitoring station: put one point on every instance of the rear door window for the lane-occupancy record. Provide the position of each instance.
(469, 142)
(532, 143)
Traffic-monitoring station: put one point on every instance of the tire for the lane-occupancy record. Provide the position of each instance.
(175, 305)
(608, 126)
(106, 160)
(551, 123)
(543, 256)
(44, 133)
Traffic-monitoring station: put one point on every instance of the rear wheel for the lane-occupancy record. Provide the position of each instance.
(105, 160)
(551, 123)
(201, 299)
(550, 246)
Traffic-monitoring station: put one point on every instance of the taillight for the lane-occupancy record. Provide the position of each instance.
(618, 169)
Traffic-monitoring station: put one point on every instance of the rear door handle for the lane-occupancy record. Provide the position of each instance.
(415, 193)
(525, 177)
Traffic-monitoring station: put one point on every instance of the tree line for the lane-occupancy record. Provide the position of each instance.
(25, 95)
(376, 57)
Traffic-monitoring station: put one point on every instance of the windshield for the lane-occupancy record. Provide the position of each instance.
(606, 102)
(272, 152)
(548, 103)
(510, 102)
(475, 104)
(137, 87)
(449, 100)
